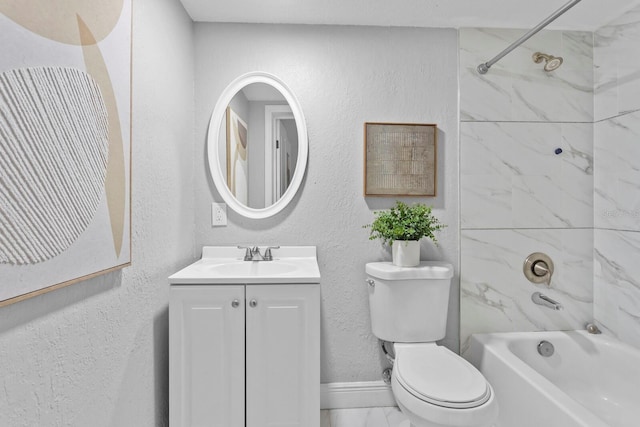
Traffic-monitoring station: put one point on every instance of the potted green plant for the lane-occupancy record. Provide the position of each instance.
(402, 227)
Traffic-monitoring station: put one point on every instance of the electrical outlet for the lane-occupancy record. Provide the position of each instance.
(218, 214)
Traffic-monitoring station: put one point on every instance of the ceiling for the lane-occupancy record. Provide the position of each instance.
(262, 92)
(587, 15)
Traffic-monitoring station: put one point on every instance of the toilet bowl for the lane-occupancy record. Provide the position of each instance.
(433, 386)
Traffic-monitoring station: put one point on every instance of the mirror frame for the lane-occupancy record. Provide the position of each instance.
(215, 125)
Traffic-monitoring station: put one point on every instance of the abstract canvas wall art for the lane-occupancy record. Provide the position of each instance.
(65, 143)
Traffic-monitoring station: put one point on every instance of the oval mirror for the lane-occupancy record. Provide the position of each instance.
(257, 145)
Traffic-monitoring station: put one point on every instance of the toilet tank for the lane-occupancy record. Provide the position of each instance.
(409, 304)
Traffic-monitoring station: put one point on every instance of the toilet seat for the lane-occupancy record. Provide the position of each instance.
(438, 376)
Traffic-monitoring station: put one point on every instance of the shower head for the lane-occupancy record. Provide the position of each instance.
(551, 62)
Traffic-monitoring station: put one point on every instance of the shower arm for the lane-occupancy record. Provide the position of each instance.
(484, 67)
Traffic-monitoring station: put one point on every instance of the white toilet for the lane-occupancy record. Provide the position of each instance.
(433, 386)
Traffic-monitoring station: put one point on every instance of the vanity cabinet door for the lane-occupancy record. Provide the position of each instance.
(283, 355)
(206, 356)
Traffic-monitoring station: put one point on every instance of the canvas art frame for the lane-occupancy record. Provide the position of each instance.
(65, 143)
(400, 159)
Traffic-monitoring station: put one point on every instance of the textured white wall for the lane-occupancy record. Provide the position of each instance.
(343, 77)
(95, 353)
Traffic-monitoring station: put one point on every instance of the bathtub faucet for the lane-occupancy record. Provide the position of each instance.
(544, 300)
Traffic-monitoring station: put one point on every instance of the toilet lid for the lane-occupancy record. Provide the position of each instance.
(436, 375)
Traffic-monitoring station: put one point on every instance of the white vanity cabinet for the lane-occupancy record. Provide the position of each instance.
(206, 356)
(244, 355)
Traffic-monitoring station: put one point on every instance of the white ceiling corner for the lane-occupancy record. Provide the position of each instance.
(588, 15)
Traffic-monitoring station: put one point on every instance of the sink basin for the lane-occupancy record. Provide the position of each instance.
(226, 265)
(253, 268)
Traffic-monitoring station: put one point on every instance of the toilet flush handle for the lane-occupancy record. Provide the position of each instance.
(371, 283)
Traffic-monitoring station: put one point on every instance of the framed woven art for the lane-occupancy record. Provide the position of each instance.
(400, 159)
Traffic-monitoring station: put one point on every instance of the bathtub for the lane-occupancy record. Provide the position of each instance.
(590, 380)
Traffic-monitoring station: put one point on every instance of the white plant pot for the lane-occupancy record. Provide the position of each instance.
(405, 253)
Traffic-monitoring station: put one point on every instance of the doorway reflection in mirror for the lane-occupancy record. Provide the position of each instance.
(261, 135)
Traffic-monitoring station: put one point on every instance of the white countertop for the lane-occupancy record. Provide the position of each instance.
(226, 265)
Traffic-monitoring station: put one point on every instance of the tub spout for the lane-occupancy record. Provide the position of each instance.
(544, 300)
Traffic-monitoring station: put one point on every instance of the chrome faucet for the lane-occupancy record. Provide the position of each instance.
(544, 300)
(254, 254)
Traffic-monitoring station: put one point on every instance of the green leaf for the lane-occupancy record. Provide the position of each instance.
(404, 222)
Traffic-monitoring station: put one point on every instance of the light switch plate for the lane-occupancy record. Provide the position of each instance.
(218, 214)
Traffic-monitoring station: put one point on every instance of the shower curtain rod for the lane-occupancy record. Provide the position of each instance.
(484, 67)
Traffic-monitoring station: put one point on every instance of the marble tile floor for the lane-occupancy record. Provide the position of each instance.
(363, 417)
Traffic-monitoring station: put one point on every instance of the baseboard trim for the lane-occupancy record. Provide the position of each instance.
(367, 394)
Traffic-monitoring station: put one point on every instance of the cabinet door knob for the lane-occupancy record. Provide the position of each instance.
(253, 303)
(235, 303)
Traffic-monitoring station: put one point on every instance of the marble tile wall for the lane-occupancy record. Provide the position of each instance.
(495, 295)
(512, 178)
(517, 195)
(617, 283)
(617, 177)
(617, 66)
(517, 89)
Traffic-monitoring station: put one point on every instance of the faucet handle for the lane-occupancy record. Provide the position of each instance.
(267, 253)
(248, 254)
(538, 268)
